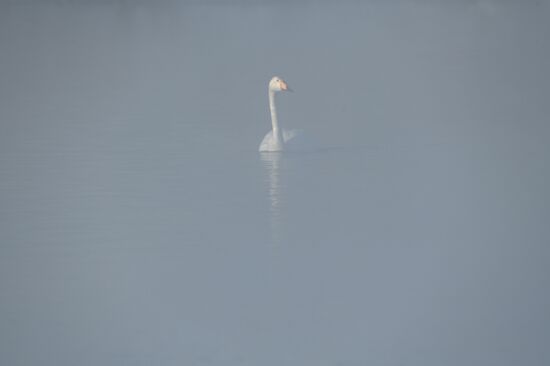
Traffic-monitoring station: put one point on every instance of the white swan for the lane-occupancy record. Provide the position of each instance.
(278, 139)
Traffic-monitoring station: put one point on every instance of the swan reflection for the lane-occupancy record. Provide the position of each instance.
(272, 164)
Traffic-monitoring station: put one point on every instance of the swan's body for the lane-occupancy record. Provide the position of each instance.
(271, 143)
(278, 139)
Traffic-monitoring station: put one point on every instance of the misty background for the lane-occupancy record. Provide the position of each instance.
(139, 225)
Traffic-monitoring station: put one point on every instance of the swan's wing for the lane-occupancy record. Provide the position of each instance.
(297, 141)
(288, 135)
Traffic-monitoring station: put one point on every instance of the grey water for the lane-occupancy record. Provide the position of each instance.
(139, 225)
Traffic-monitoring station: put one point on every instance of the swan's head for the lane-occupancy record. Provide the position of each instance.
(278, 84)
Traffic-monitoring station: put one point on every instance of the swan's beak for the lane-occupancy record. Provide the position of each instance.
(285, 87)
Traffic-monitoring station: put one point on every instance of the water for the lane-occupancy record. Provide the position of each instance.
(139, 225)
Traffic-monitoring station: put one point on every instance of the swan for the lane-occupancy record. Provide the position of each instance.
(278, 139)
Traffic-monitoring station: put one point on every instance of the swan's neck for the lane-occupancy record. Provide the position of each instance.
(277, 131)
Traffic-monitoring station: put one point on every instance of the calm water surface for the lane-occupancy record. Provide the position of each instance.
(140, 226)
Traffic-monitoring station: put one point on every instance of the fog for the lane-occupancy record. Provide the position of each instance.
(139, 224)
